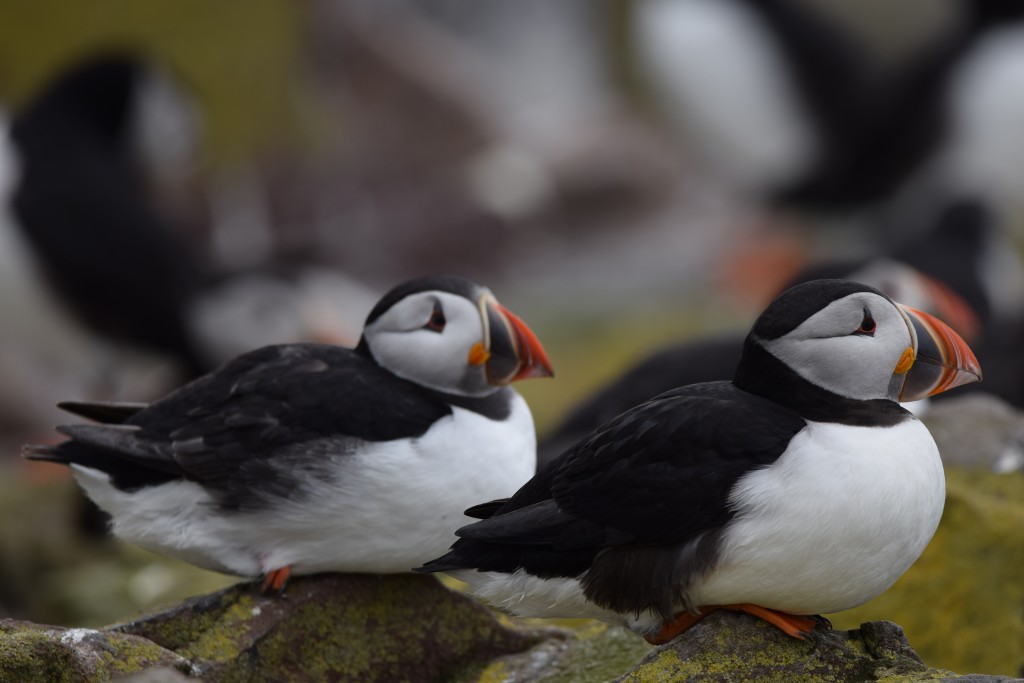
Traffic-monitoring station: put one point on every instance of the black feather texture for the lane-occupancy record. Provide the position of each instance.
(627, 500)
(253, 430)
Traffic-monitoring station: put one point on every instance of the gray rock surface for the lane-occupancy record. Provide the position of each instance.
(977, 430)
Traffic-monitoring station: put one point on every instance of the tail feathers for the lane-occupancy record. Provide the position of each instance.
(108, 449)
(485, 510)
(44, 453)
(112, 413)
(444, 563)
(109, 412)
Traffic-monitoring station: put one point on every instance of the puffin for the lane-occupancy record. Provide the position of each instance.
(304, 458)
(715, 356)
(801, 487)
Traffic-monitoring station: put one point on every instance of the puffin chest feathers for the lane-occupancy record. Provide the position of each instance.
(834, 521)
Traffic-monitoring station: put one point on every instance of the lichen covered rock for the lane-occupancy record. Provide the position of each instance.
(342, 627)
(411, 628)
(728, 646)
(31, 653)
(593, 652)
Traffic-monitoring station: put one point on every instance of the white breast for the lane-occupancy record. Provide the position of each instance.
(388, 508)
(831, 524)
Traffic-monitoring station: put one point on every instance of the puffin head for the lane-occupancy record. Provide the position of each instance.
(450, 334)
(852, 340)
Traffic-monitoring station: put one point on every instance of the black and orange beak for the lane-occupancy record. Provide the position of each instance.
(510, 350)
(940, 358)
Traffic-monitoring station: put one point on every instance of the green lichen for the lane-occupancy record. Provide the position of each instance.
(592, 652)
(30, 653)
(498, 672)
(729, 647)
(30, 656)
(597, 652)
(340, 627)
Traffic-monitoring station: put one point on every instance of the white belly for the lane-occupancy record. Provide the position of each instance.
(391, 507)
(831, 524)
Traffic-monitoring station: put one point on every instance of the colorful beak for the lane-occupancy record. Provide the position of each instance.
(510, 350)
(942, 360)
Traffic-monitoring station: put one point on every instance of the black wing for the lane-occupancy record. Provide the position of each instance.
(241, 430)
(632, 496)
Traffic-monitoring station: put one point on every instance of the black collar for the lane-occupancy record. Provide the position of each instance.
(496, 406)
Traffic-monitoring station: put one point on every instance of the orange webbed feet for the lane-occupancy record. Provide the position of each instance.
(793, 625)
(274, 582)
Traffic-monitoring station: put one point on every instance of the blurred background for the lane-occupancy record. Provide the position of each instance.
(181, 181)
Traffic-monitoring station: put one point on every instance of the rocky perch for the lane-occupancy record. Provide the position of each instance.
(412, 628)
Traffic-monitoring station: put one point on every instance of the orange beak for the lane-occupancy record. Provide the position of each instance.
(942, 360)
(510, 350)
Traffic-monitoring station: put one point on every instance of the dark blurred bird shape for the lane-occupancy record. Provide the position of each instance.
(798, 107)
(84, 219)
(799, 488)
(304, 458)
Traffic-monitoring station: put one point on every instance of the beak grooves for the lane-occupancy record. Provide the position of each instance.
(944, 360)
(514, 352)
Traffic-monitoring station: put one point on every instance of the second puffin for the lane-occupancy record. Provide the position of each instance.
(801, 487)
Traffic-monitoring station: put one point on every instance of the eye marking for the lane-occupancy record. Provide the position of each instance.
(437, 320)
(867, 324)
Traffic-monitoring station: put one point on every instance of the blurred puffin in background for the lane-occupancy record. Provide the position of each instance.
(100, 275)
(800, 106)
(861, 126)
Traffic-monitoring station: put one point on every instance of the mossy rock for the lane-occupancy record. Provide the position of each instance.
(728, 647)
(31, 653)
(341, 627)
(593, 652)
(411, 628)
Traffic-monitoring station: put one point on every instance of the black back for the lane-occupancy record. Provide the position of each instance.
(628, 498)
(264, 422)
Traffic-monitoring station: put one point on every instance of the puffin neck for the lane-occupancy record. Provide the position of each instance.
(762, 374)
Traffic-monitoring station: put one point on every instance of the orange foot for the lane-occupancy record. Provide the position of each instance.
(275, 581)
(796, 626)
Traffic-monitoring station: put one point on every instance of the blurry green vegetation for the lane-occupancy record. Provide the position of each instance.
(239, 56)
(52, 573)
(588, 352)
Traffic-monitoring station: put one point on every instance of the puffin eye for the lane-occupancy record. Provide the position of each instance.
(867, 325)
(437, 320)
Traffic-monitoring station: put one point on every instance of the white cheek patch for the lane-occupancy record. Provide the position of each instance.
(825, 351)
(841, 365)
(400, 343)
